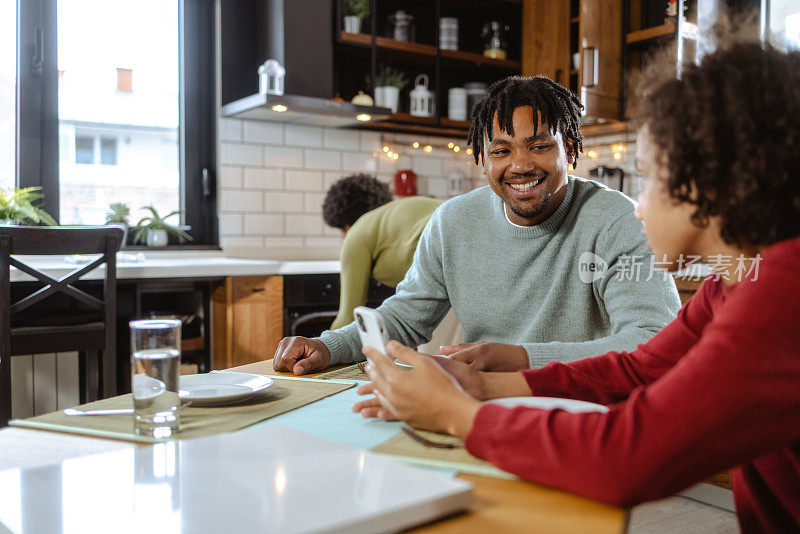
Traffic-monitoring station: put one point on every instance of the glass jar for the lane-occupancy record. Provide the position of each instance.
(495, 40)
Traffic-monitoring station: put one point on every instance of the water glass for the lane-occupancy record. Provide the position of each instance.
(155, 363)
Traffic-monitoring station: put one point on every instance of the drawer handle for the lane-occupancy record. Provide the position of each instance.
(257, 289)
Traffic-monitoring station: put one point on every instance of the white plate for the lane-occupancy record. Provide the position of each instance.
(551, 403)
(221, 388)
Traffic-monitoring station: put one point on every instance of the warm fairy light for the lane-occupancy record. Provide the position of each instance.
(428, 148)
(469, 151)
(617, 155)
(619, 147)
(592, 154)
(395, 156)
(280, 108)
(390, 154)
(456, 148)
(385, 148)
(363, 117)
(415, 144)
(450, 145)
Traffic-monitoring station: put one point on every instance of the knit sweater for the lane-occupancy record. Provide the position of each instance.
(380, 245)
(717, 388)
(524, 285)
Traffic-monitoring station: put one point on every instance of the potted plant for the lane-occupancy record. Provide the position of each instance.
(354, 11)
(18, 206)
(117, 215)
(154, 230)
(388, 83)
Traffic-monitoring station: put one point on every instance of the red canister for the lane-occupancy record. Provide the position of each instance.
(405, 183)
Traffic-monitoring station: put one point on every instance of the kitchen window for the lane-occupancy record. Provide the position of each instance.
(117, 104)
(8, 82)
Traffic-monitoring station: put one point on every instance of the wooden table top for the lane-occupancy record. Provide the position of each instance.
(512, 506)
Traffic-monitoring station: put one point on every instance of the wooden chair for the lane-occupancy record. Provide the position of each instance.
(88, 327)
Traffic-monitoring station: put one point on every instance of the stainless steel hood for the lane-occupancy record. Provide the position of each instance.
(307, 110)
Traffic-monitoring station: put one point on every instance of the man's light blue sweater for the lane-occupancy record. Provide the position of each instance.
(523, 285)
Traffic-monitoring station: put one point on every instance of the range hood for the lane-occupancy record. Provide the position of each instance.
(299, 35)
(297, 109)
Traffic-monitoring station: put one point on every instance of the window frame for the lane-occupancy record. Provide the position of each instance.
(37, 150)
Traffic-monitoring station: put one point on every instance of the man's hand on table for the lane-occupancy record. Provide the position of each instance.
(489, 356)
(301, 355)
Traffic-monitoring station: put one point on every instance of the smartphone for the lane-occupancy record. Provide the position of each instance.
(371, 328)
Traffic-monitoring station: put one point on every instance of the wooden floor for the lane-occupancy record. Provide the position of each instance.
(679, 515)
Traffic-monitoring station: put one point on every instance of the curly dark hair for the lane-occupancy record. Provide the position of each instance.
(556, 106)
(728, 132)
(351, 197)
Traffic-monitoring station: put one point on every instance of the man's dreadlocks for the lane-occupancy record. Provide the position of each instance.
(556, 106)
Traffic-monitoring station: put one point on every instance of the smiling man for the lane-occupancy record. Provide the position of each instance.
(536, 266)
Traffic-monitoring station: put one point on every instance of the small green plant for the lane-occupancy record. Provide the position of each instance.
(389, 77)
(118, 213)
(19, 206)
(355, 8)
(155, 222)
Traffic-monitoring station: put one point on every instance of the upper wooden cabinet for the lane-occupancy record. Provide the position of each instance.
(555, 31)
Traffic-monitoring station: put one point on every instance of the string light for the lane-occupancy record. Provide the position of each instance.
(428, 148)
(450, 145)
(385, 148)
(456, 148)
(415, 144)
(469, 151)
(617, 155)
(592, 154)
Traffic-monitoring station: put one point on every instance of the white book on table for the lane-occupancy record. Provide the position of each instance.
(266, 478)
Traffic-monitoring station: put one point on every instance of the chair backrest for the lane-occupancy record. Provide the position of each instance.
(58, 240)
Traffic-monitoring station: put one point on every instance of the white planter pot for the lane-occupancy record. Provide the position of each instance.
(157, 238)
(352, 24)
(387, 97)
(124, 228)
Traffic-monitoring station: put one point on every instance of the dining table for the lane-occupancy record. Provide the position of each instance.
(509, 505)
(499, 503)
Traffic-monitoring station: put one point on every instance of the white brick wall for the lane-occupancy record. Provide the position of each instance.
(273, 177)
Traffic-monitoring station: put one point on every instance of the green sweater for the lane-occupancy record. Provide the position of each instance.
(380, 245)
(522, 285)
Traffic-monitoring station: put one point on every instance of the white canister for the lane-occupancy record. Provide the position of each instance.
(456, 183)
(448, 33)
(387, 97)
(421, 99)
(271, 77)
(457, 104)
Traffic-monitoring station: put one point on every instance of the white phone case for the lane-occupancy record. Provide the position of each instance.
(371, 328)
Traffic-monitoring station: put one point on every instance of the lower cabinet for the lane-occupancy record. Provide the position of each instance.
(247, 314)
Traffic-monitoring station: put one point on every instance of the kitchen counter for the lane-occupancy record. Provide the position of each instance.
(168, 264)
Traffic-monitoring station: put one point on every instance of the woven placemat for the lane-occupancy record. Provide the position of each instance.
(351, 372)
(286, 394)
(406, 448)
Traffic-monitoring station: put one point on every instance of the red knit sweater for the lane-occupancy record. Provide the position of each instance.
(717, 388)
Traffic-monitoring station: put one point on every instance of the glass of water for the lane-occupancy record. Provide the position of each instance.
(155, 362)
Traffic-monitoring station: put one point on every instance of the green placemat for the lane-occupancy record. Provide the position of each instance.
(351, 372)
(286, 394)
(405, 448)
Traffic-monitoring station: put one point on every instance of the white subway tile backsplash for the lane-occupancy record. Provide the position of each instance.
(230, 177)
(322, 242)
(331, 178)
(304, 181)
(263, 178)
(230, 224)
(240, 201)
(283, 242)
(304, 136)
(342, 139)
(284, 157)
(359, 162)
(428, 166)
(313, 203)
(371, 141)
(238, 154)
(303, 225)
(230, 130)
(283, 202)
(267, 133)
(437, 187)
(325, 160)
(241, 242)
(263, 224)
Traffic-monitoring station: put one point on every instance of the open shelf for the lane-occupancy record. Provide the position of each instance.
(479, 59)
(404, 46)
(358, 38)
(647, 34)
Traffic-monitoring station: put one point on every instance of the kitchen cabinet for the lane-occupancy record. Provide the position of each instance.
(555, 32)
(247, 316)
